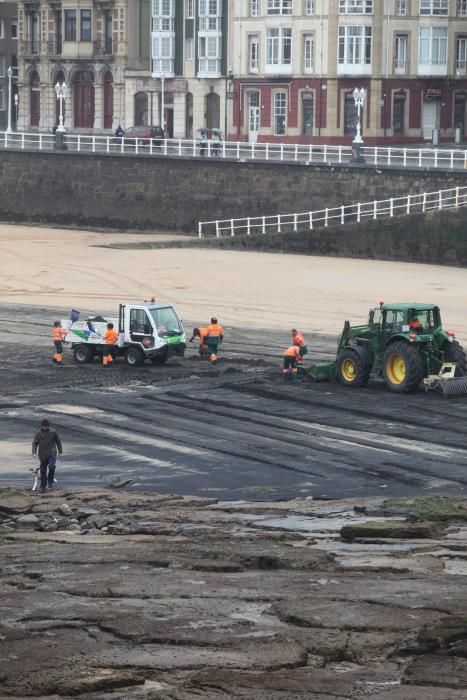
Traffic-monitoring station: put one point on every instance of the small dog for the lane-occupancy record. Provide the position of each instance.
(36, 474)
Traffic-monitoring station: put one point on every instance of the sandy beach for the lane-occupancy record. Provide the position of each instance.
(67, 268)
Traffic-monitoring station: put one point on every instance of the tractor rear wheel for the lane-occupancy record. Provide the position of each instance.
(402, 367)
(454, 352)
(353, 367)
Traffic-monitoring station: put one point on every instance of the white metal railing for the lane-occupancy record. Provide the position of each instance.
(440, 158)
(350, 213)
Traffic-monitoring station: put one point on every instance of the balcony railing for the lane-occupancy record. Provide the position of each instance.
(103, 47)
(30, 47)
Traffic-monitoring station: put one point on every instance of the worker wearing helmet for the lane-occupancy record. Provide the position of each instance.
(291, 356)
(214, 338)
(201, 334)
(58, 334)
(298, 339)
(110, 338)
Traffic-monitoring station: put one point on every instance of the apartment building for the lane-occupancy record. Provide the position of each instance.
(8, 54)
(297, 62)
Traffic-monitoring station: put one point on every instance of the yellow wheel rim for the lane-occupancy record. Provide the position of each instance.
(348, 370)
(396, 369)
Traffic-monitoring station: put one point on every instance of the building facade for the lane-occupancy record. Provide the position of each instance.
(8, 59)
(297, 62)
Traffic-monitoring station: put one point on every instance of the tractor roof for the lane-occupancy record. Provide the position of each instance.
(408, 305)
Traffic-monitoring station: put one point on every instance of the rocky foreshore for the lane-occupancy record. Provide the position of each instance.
(109, 594)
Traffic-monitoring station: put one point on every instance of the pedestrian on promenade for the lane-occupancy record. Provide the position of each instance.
(45, 445)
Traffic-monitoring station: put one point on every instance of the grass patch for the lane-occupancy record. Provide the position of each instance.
(436, 508)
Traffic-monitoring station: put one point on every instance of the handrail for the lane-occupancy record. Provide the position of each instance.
(350, 213)
(307, 154)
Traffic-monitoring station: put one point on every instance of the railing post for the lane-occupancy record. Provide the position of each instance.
(310, 153)
(359, 210)
(217, 229)
(122, 145)
(279, 223)
(326, 211)
(408, 204)
(107, 144)
(294, 222)
(405, 158)
(311, 220)
(391, 207)
(22, 140)
(325, 154)
(424, 202)
(136, 145)
(376, 156)
(40, 142)
(78, 143)
(296, 151)
(150, 146)
(340, 155)
(238, 150)
(375, 209)
(223, 149)
(267, 151)
(282, 151)
(200, 229)
(342, 215)
(389, 155)
(440, 199)
(179, 147)
(457, 197)
(252, 151)
(264, 224)
(232, 228)
(436, 158)
(452, 160)
(248, 229)
(465, 159)
(194, 147)
(93, 144)
(420, 159)
(165, 146)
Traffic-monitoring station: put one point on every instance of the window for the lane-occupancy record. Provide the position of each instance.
(401, 7)
(253, 54)
(189, 49)
(85, 25)
(162, 54)
(2, 98)
(2, 66)
(279, 7)
(462, 8)
(141, 109)
(434, 7)
(307, 113)
(254, 8)
(209, 54)
(190, 8)
(279, 46)
(2, 28)
(355, 7)
(280, 112)
(308, 53)
(210, 14)
(209, 37)
(163, 36)
(433, 46)
(70, 25)
(163, 13)
(14, 28)
(461, 54)
(354, 45)
(308, 8)
(400, 57)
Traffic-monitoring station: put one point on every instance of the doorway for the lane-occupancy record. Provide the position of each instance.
(429, 119)
(253, 116)
(83, 94)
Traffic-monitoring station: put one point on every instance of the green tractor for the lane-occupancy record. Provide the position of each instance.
(404, 344)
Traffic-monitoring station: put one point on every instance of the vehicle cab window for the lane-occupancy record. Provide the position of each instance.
(140, 323)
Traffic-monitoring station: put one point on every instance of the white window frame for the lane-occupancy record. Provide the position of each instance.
(190, 9)
(355, 7)
(279, 50)
(14, 23)
(279, 7)
(401, 8)
(401, 43)
(2, 99)
(190, 49)
(461, 55)
(253, 53)
(462, 8)
(308, 7)
(308, 53)
(434, 8)
(279, 110)
(209, 54)
(163, 37)
(430, 37)
(254, 8)
(2, 65)
(353, 56)
(2, 28)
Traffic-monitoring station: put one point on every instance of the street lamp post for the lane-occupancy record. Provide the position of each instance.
(16, 109)
(162, 121)
(359, 98)
(60, 90)
(9, 73)
(228, 82)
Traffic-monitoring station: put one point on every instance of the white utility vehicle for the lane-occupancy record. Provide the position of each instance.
(145, 331)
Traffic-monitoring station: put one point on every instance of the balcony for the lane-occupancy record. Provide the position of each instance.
(103, 47)
(29, 47)
(54, 47)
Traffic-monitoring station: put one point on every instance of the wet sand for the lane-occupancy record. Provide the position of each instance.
(61, 268)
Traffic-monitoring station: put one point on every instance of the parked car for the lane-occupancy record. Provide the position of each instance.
(144, 134)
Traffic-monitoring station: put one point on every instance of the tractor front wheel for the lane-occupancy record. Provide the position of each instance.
(353, 368)
(454, 352)
(402, 367)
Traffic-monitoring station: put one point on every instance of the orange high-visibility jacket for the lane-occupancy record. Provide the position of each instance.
(203, 331)
(214, 330)
(415, 324)
(298, 339)
(110, 336)
(293, 351)
(58, 333)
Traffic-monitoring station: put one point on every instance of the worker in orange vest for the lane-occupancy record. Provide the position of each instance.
(298, 339)
(291, 356)
(58, 334)
(201, 334)
(214, 338)
(110, 337)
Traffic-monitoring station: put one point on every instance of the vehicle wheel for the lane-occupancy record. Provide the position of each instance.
(134, 357)
(454, 352)
(402, 367)
(83, 354)
(160, 359)
(353, 367)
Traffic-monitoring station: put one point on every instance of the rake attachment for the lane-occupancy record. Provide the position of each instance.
(446, 382)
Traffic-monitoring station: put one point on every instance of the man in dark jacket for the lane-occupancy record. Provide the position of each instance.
(45, 445)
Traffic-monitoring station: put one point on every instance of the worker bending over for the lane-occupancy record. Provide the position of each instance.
(201, 334)
(291, 356)
(110, 337)
(214, 338)
(58, 334)
(298, 339)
